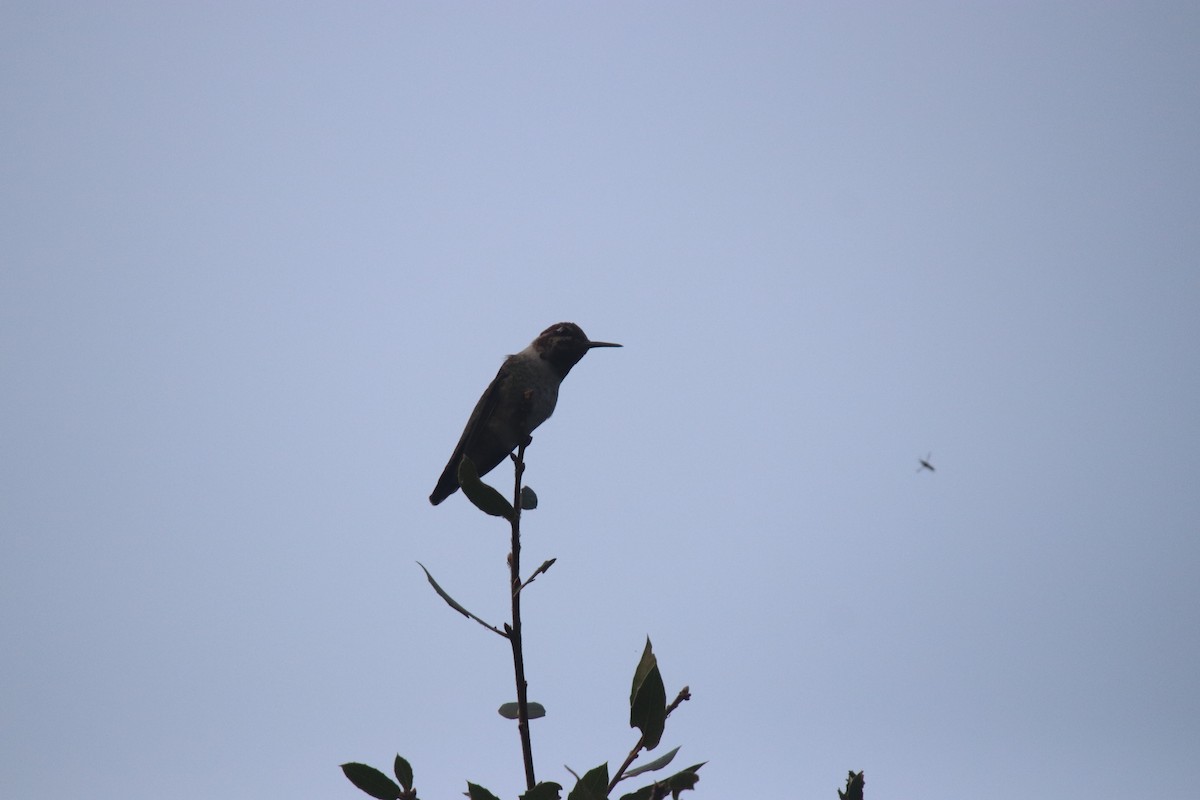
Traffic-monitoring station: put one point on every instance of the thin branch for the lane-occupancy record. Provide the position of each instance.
(684, 694)
(545, 566)
(514, 630)
(620, 773)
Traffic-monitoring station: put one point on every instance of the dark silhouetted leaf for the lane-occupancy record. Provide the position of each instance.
(484, 497)
(854, 786)
(509, 711)
(657, 763)
(403, 772)
(648, 700)
(684, 779)
(477, 792)
(528, 498)
(679, 782)
(454, 603)
(592, 786)
(546, 790)
(442, 593)
(372, 781)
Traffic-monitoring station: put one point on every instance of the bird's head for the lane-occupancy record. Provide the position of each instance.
(563, 344)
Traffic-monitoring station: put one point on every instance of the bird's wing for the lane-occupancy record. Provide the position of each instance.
(482, 414)
(448, 483)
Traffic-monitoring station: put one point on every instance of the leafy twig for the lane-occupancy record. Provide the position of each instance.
(545, 566)
(684, 694)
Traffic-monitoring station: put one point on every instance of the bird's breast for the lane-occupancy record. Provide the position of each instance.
(542, 400)
(531, 392)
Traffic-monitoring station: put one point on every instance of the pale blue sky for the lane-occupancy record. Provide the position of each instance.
(259, 261)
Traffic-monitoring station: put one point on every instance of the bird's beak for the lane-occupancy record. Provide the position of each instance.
(601, 344)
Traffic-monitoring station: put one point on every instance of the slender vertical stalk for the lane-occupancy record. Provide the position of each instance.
(514, 632)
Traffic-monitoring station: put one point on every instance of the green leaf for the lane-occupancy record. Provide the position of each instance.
(648, 700)
(684, 779)
(484, 497)
(592, 786)
(442, 593)
(403, 772)
(509, 711)
(450, 601)
(372, 781)
(546, 790)
(657, 763)
(679, 782)
(477, 792)
(528, 499)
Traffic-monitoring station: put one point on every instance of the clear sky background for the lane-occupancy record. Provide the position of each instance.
(260, 260)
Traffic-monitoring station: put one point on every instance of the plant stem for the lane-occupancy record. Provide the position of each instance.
(684, 694)
(514, 634)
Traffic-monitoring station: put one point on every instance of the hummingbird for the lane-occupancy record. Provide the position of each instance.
(521, 397)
